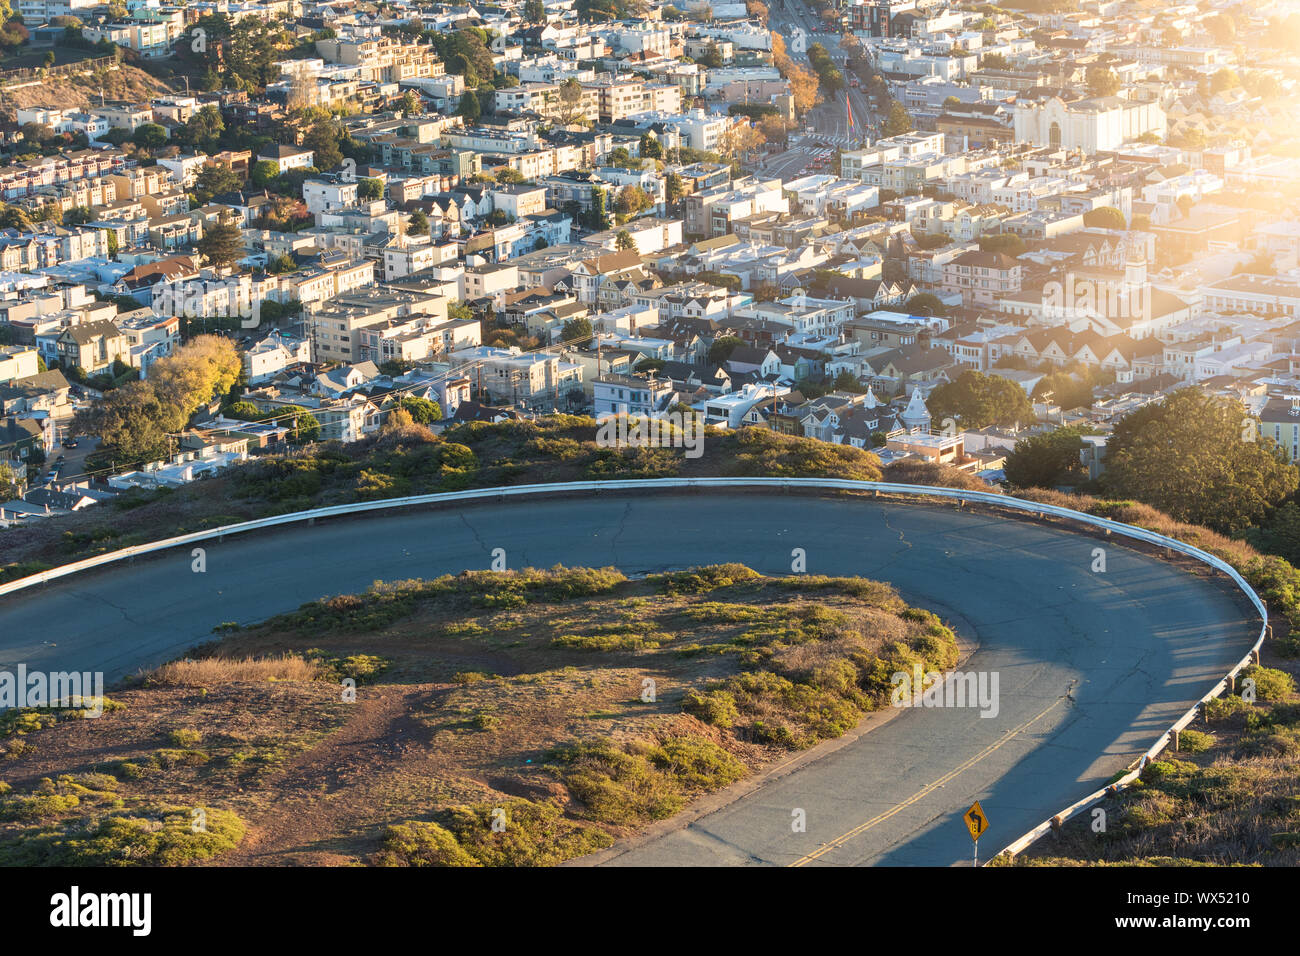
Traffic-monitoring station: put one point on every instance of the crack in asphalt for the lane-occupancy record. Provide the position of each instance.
(748, 854)
(618, 532)
(474, 532)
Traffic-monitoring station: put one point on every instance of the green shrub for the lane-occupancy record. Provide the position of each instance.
(716, 707)
(185, 738)
(145, 835)
(528, 833)
(1270, 684)
(616, 786)
(697, 763)
(1194, 742)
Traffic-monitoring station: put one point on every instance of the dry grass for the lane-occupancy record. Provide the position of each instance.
(211, 671)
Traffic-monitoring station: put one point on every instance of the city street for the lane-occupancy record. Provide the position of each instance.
(830, 119)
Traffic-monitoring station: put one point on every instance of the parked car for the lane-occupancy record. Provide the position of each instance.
(69, 443)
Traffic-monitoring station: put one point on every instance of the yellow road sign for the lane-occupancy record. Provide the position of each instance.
(976, 822)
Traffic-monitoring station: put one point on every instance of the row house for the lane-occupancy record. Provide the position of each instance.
(982, 277)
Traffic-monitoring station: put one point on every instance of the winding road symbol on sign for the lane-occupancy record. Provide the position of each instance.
(976, 822)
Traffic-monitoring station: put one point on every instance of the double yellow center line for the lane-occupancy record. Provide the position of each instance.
(927, 789)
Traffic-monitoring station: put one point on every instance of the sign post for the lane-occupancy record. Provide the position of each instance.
(976, 823)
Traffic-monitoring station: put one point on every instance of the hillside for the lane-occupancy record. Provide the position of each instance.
(121, 83)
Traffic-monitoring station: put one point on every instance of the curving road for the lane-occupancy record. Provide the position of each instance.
(1092, 667)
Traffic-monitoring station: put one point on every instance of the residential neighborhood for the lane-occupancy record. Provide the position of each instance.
(528, 209)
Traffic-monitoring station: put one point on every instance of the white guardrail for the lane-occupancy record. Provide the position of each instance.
(815, 484)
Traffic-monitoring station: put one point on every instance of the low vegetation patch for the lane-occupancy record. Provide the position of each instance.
(1230, 795)
(497, 718)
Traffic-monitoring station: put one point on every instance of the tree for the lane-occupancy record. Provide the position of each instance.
(305, 425)
(926, 303)
(1198, 458)
(215, 179)
(263, 173)
(1221, 27)
(9, 488)
(1225, 79)
(1044, 461)
(624, 240)
(370, 189)
(1104, 217)
(418, 224)
(1007, 243)
(570, 109)
(135, 420)
(469, 106)
(323, 140)
(977, 400)
(222, 244)
(598, 218)
(673, 188)
(897, 121)
(578, 331)
(630, 201)
(722, 348)
(650, 148)
(534, 11)
(422, 410)
(846, 381)
(204, 127)
(510, 176)
(409, 104)
(1101, 80)
(149, 136)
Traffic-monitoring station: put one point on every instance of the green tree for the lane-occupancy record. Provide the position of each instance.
(418, 224)
(9, 488)
(977, 400)
(623, 240)
(263, 173)
(897, 120)
(673, 188)
(722, 348)
(215, 179)
(650, 146)
(926, 303)
(323, 140)
(597, 218)
(534, 11)
(1104, 217)
(1005, 242)
(846, 381)
(577, 331)
(422, 410)
(149, 136)
(370, 189)
(469, 106)
(305, 425)
(1101, 81)
(222, 244)
(1043, 461)
(1198, 458)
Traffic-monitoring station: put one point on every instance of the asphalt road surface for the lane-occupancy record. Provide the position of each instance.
(1092, 667)
(830, 119)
